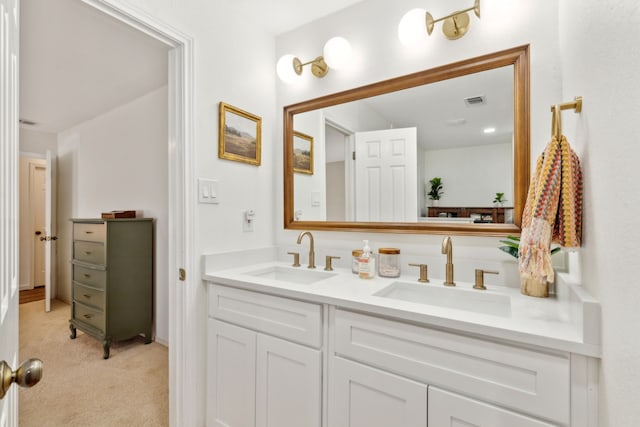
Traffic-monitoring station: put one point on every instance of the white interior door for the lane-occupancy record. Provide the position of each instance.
(9, 201)
(50, 232)
(386, 175)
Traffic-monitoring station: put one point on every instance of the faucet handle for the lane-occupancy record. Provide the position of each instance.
(327, 263)
(480, 278)
(423, 272)
(296, 258)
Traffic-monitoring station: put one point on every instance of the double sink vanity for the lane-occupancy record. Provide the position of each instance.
(294, 346)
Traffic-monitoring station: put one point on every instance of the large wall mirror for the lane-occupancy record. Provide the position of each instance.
(364, 159)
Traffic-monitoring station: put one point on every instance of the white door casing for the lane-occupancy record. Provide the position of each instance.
(386, 175)
(184, 372)
(9, 231)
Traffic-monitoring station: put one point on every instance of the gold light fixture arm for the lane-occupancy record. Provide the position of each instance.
(319, 68)
(456, 24)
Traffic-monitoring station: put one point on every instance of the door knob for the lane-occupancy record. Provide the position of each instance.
(38, 233)
(27, 375)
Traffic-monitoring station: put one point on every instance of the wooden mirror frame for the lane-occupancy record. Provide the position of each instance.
(518, 57)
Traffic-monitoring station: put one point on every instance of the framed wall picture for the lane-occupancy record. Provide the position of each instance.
(302, 153)
(239, 135)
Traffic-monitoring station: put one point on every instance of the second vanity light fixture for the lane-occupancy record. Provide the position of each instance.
(335, 55)
(414, 23)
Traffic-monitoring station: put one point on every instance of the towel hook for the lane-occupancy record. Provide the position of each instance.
(556, 118)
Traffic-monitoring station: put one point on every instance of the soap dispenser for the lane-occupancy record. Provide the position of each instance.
(367, 263)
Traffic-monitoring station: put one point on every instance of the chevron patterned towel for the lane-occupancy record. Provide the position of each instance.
(553, 210)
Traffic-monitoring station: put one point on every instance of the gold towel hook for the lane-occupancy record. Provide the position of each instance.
(556, 118)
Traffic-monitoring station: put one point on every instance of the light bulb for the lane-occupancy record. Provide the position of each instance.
(285, 70)
(413, 27)
(337, 52)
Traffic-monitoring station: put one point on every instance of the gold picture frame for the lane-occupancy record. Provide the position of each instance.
(239, 135)
(302, 153)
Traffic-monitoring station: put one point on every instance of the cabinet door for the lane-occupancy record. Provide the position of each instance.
(231, 375)
(361, 396)
(449, 409)
(288, 384)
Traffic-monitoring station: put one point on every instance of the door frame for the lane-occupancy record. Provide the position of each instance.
(182, 401)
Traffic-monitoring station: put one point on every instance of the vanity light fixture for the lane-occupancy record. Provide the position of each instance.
(336, 54)
(413, 24)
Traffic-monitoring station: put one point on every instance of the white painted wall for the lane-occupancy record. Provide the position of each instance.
(471, 176)
(33, 141)
(600, 62)
(371, 27)
(118, 161)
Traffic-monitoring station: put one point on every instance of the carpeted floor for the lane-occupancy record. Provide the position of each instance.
(79, 387)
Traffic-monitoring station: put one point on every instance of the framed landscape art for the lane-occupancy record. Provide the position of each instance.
(239, 135)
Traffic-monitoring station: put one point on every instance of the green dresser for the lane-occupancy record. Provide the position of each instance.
(112, 289)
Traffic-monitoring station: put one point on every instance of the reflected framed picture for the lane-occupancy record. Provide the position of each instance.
(239, 135)
(302, 153)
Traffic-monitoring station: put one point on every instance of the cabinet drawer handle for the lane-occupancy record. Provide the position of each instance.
(86, 275)
(88, 316)
(87, 252)
(89, 232)
(87, 296)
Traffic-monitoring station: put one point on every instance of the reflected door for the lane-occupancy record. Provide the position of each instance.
(386, 175)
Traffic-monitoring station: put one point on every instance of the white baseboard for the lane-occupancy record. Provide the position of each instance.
(26, 287)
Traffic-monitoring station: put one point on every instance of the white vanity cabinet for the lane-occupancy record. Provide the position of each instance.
(280, 358)
(487, 384)
(264, 360)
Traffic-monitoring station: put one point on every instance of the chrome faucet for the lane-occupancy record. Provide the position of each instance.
(312, 254)
(447, 248)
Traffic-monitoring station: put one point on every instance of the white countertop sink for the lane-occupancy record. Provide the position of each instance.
(569, 320)
(449, 297)
(291, 275)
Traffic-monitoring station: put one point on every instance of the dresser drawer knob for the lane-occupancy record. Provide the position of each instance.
(89, 232)
(87, 252)
(88, 316)
(86, 275)
(87, 296)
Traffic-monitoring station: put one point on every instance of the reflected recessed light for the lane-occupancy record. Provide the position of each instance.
(489, 130)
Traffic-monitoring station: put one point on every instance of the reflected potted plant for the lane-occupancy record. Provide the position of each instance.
(436, 190)
(499, 200)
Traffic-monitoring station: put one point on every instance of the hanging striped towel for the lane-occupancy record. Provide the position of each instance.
(553, 210)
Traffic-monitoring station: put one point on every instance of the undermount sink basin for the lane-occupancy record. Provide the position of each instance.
(460, 299)
(292, 275)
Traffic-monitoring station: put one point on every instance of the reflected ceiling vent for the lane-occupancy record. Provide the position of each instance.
(475, 100)
(27, 122)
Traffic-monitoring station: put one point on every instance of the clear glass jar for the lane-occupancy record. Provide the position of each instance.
(389, 262)
(355, 255)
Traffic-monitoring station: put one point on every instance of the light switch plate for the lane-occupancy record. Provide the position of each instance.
(208, 190)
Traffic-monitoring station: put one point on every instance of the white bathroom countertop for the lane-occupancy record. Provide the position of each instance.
(567, 322)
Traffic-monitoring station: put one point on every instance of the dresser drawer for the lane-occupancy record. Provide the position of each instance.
(91, 232)
(293, 320)
(89, 296)
(91, 252)
(518, 378)
(90, 276)
(89, 315)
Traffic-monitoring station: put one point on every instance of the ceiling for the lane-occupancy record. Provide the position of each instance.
(444, 120)
(77, 63)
